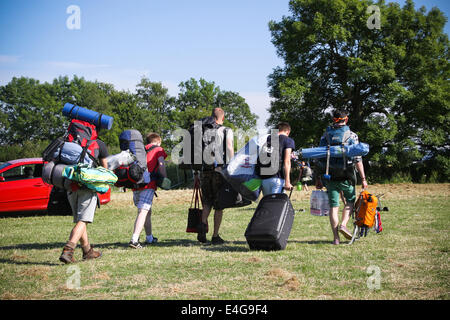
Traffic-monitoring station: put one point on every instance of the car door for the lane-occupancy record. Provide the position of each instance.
(22, 190)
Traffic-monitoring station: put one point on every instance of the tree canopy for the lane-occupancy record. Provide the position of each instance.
(30, 111)
(392, 80)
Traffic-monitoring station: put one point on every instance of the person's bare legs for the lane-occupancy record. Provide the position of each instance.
(148, 223)
(334, 222)
(139, 224)
(218, 214)
(79, 233)
(346, 214)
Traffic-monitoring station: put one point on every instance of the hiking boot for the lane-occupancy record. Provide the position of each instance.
(91, 253)
(135, 245)
(201, 236)
(155, 240)
(217, 240)
(344, 231)
(67, 254)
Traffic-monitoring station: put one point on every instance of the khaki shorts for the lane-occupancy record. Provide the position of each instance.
(210, 182)
(83, 203)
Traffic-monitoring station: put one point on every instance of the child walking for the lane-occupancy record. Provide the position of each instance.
(143, 197)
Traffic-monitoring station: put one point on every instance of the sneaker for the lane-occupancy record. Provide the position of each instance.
(91, 254)
(67, 255)
(201, 236)
(344, 231)
(217, 240)
(135, 245)
(155, 240)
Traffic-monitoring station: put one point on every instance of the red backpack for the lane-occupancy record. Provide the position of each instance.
(85, 134)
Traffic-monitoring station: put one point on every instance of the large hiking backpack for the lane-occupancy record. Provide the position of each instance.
(136, 174)
(203, 135)
(337, 168)
(77, 146)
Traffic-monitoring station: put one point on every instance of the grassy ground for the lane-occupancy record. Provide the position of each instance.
(410, 258)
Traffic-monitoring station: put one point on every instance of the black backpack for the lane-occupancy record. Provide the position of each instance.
(265, 152)
(205, 128)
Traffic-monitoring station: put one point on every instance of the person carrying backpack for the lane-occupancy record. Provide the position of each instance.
(305, 175)
(143, 196)
(340, 174)
(83, 201)
(280, 180)
(211, 180)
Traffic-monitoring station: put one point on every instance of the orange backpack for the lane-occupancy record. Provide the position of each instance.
(366, 209)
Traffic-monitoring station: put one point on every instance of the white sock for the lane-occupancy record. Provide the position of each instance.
(135, 238)
(149, 238)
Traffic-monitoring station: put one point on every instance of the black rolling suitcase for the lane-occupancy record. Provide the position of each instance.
(271, 223)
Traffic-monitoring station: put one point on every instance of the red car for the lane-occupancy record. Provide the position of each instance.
(22, 188)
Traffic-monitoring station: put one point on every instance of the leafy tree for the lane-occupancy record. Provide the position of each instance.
(197, 99)
(28, 111)
(155, 107)
(393, 81)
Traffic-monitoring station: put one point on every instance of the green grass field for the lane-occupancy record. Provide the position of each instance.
(408, 260)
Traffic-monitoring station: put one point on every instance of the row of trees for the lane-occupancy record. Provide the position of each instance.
(393, 81)
(30, 111)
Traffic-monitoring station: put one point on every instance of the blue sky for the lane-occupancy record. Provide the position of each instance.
(170, 41)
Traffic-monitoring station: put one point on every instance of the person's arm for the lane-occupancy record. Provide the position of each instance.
(287, 169)
(360, 168)
(162, 167)
(104, 163)
(230, 144)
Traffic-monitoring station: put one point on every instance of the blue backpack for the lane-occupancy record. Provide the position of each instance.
(337, 168)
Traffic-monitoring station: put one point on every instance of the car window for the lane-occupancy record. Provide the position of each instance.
(4, 165)
(29, 171)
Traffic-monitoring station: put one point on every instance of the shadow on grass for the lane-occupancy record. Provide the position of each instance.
(31, 263)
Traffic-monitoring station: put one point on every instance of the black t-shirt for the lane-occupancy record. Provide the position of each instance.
(285, 143)
(103, 150)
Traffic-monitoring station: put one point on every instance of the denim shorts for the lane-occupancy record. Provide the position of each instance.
(143, 199)
(272, 185)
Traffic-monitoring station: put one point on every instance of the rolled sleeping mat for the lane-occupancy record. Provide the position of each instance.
(52, 174)
(360, 149)
(75, 112)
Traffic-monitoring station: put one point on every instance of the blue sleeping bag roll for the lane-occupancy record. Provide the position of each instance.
(353, 150)
(75, 112)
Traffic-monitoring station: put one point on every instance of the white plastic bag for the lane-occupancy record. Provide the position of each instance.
(124, 158)
(319, 203)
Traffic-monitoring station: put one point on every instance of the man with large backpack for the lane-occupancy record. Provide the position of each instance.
(211, 180)
(338, 174)
(83, 201)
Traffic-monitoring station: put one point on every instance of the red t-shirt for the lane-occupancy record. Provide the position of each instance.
(152, 162)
